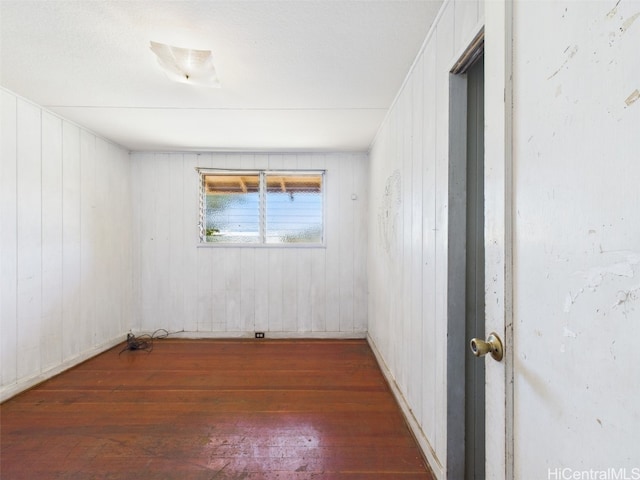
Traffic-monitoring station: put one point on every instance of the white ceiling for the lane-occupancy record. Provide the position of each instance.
(296, 75)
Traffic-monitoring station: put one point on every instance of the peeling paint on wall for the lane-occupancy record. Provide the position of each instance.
(596, 276)
(625, 299)
(617, 34)
(614, 10)
(635, 95)
(572, 52)
(628, 22)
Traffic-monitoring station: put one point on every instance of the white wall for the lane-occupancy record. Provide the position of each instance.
(577, 237)
(576, 245)
(223, 291)
(65, 243)
(408, 230)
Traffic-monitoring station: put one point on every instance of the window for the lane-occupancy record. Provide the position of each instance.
(261, 207)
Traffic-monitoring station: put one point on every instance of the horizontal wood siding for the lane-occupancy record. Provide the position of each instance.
(234, 291)
(65, 256)
(408, 229)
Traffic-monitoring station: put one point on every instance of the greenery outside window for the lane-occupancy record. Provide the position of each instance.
(261, 207)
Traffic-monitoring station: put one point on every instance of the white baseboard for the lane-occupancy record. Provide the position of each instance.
(267, 335)
(414, 425)
(14, 389)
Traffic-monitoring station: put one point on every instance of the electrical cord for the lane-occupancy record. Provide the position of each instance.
(143, 342)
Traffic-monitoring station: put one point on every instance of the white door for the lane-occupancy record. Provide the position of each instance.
(562, 199)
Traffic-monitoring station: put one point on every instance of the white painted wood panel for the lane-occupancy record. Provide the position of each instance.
(105, 254)
(237, 290)
(444, 62)
(51, 333)
(88, 258)
(408, 235)
(405, 153)
(71, 262)
(233, 291)
(346, 256)
(121, 272)
(62, 271)
(361, 245)
(467, 15)
(188, 286)
(8, 239)
(431, 370)
(136, 238)
(161, 199)
(29, 215)
(176, 254)
(414, 350)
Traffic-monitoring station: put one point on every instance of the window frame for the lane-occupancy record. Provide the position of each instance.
(262, 206)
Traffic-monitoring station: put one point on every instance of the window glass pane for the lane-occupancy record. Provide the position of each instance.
(232, 212)
(294, 208)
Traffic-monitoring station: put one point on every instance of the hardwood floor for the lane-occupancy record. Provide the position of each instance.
(213, 409)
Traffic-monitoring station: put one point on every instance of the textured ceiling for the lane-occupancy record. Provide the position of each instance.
(295, 75)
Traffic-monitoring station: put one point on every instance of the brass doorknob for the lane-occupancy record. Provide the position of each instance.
(492, 345)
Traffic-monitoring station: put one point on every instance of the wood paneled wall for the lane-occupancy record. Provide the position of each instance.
(408, 230)
(65, 253)
(234, 291)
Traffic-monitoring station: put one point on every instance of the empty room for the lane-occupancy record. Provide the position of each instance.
(350, 239)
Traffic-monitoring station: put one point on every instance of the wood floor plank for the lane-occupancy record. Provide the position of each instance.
(194, 409)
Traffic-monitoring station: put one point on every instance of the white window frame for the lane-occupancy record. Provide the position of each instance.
(262, 173)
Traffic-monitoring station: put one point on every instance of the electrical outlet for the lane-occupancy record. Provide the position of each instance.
(259, 334)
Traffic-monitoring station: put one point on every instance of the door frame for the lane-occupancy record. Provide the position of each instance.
(456, 256)
(499, 268)
(499, 221)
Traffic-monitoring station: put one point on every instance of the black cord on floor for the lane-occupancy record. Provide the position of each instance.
(143, 342)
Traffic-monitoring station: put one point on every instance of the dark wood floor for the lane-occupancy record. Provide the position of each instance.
(211, 409)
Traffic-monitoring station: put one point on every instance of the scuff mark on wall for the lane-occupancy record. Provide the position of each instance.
(558, 90)
(628, 22)
(635, 95)
(594, 277)
(389, 211)
(572, 52)
(617, 34)
(614, 10)
(624, 298)
(570, 299)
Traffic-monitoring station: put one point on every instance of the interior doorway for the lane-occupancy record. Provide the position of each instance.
(474, 276)
(466, 261)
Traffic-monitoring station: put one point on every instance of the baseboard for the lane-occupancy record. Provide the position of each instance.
(414, 425)
(267, 335)
(14, 389)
